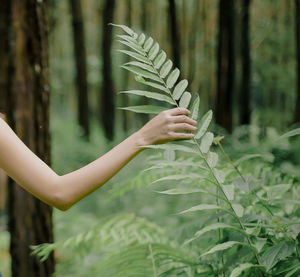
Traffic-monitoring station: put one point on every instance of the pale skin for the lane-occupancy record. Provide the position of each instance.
(35, 176)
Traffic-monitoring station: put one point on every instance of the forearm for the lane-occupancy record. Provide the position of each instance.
(77, 184)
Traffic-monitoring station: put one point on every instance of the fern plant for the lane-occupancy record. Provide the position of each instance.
(152, 68)
(256, 229)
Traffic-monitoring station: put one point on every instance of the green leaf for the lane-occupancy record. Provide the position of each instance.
(142, 73)
(135, 55)
(202, 207)
(135, 47)
(142, 66)
(226, 245)
(177, 177)
(153, 95)
(220, 176)
(130, 40)
(180, 191)
(250, 156)
(239, 209)
(195, 107)
(291, 133)
(212, 159)
(206, 142)
(212, 227)
(125, 29)
(276, 253)
(171, 146)
(148, 44)
(185, 100)
(150, 84)
(166, 69)
(293, 271)
(148, 109)
(229, 191)
(242, 267)
(179, 89)
(172, 79)
(204, 123)
(153, 51)
(141, 39)
(160, 59)
(277, 191)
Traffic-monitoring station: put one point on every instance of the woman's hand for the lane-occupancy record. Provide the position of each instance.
(164, 127)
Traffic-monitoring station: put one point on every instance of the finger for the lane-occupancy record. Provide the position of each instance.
(178, 111)
(184, 119)
(175, 135)
(183, 127)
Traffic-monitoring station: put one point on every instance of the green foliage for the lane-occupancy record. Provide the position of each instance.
(244, 221)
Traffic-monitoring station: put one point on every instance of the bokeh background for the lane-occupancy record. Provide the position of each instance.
(254, 46)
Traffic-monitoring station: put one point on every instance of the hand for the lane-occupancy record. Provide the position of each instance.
(163, 127)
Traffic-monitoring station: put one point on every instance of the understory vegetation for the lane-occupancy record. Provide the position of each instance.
(211, 206)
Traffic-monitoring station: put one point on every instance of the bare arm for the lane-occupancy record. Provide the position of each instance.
(38, 178)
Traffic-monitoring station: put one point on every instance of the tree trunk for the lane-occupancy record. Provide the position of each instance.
(5, 57)
(6, 71)
(175, 39)
(226, 64)
(244, 95)
(108, 94)
(81, 71)
(297, 27)
(125, 99)
(30, 220)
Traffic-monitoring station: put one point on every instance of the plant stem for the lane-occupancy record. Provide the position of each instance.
(241, 175)
(153, 261)
(219, 185)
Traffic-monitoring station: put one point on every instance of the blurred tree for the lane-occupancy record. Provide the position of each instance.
(81, 71)
(244, 95)
(144, 18)
(226, 64)
(30, 220)
(5, 68)
(297, 27)
(175, 38)
(125, 99)
(108, 94)
(192, 53)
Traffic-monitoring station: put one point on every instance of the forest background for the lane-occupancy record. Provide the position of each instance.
(242, 57)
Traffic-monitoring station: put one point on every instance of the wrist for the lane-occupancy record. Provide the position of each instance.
(140, 139)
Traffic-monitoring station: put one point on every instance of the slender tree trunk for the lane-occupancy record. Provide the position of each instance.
(126, 76)
(108, 94)
(144, 25)
(244, 95)
(175, 38)
(81, 71)
(5, 80)
(226, 64)
(297, 27)
(192, 53)
(5, 64)
(30, 220)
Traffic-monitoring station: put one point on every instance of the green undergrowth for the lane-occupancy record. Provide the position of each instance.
(203, 207)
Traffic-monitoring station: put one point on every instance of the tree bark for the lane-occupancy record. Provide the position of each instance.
(125, 99)
(81, 71)
(244, 95)
(225, 64)
(5, 57)
(175, 38)
(30, 220)
(108, 94)
(297, 28)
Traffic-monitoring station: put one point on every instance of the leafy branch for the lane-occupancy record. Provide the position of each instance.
(153, 69)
